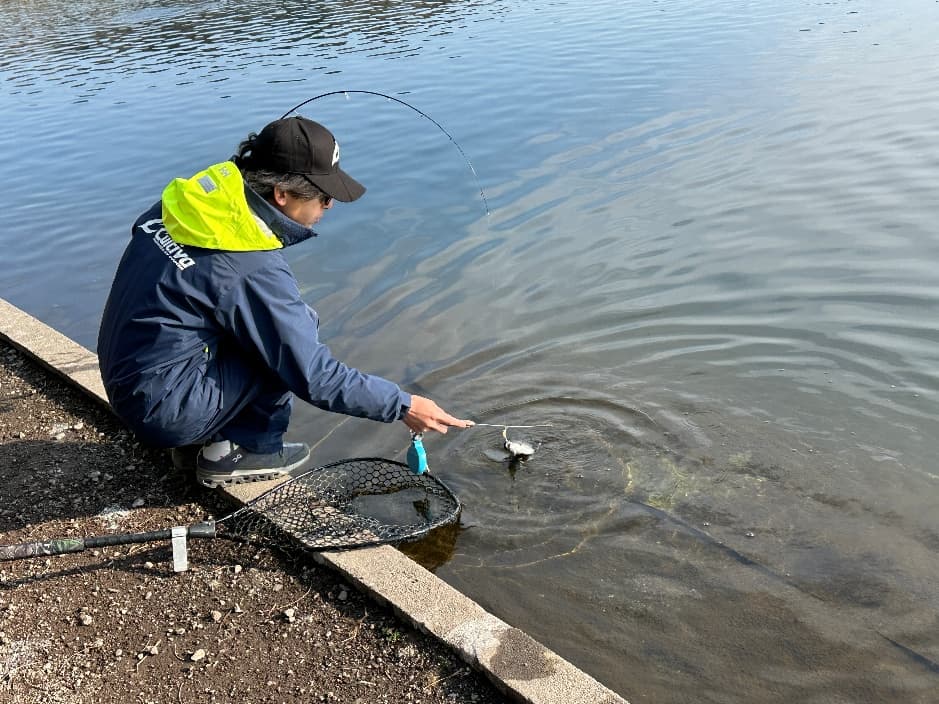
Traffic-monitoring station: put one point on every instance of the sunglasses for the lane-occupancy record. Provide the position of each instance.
(321, 197)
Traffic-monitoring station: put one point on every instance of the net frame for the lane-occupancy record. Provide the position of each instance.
(314, 510)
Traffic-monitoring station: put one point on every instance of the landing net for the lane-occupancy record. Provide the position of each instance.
(351, 503)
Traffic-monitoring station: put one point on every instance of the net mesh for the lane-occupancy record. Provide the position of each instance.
(346, 504)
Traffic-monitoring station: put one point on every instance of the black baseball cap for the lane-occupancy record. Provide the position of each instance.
(296, 145)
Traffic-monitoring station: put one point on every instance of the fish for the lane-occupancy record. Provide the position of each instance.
(519, 449)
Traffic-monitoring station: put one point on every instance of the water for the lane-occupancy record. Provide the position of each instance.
(709, 266)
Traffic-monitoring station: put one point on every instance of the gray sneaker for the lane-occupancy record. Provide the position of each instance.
(240, 466)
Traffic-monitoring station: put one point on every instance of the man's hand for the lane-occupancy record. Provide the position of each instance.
(426, 415)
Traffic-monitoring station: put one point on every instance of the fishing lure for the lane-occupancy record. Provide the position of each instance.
(417, 457)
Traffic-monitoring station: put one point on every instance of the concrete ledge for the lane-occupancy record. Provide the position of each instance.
(518, 665)
(52, 349)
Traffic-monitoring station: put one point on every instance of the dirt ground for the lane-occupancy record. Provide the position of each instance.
(117, 625)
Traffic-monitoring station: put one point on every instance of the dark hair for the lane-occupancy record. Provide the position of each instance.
(262, 181)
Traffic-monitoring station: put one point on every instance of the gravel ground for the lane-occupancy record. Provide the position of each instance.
(117, 625)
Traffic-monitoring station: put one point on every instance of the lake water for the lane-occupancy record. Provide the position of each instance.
(709, 268)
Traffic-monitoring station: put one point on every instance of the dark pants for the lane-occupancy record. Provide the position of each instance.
(219, 399)
(257, 419)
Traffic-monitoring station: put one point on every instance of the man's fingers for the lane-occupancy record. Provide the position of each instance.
(426, 415)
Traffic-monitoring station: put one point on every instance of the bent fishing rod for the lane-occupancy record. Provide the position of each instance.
(411, 107)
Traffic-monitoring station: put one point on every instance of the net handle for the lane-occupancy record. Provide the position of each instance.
(61, 546)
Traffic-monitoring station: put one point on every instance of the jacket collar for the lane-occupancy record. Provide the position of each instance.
(287, 231)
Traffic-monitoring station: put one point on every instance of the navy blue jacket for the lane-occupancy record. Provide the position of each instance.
(175, 306)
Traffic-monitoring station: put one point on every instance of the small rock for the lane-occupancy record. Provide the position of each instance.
(78, 426)
(148, 565)
(216, 616)
(238, 609)
(198, 655)
(343, 595)
(751, 534)
(118, 653)
(138, 503)
(236, 569)
(153, 649)
(290, 615)
(86, 619)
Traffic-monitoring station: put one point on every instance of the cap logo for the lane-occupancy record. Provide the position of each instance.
(335, 153)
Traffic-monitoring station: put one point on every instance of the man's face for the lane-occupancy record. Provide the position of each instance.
(305, 212)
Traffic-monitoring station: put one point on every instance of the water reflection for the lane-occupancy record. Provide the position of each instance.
(436, 549)
(90, 42)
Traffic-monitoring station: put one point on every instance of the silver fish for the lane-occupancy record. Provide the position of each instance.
(519, 449)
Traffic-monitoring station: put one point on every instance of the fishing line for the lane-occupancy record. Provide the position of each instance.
(419, 112)
(500, 425)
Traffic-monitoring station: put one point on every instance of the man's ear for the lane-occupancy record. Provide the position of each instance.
(280, 196)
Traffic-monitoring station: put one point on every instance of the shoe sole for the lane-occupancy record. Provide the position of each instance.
(214, 481)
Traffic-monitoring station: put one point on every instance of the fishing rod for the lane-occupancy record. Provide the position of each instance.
(419, 112)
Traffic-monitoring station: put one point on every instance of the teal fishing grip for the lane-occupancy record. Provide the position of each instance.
(417, 457)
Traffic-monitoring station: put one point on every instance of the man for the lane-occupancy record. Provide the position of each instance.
(205, 338)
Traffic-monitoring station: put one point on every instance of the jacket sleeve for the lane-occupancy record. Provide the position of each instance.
(265, 314)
